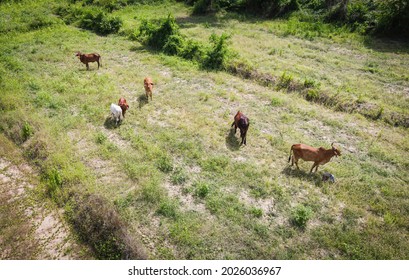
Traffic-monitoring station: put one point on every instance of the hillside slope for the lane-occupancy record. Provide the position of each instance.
(172, 179)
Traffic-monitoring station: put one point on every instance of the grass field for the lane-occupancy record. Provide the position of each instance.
(172, 181)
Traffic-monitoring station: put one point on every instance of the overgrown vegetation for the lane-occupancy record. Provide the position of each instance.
(369, 16)
(172, 182)
(166, 37)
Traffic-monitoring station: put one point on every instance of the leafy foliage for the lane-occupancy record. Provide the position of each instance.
(300, 216)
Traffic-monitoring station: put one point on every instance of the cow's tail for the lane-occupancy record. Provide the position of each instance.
(100, 61)
(289, 158)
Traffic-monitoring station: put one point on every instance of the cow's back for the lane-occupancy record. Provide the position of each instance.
(305, 152)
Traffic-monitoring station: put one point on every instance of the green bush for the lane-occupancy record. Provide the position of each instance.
(192, 51)
(300, 216)
(100, 23)
(217, 55)
(156, 36)
(174, 45)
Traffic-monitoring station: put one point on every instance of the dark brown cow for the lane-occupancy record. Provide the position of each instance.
(319, 156)
(243, 123)
(148, 85)
(124, 106)
(87, 58)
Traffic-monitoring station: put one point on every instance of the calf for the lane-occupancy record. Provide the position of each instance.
(148, 85)
(87, 58)
(116, 112)
(243, 123)
(124, 106)
(319, 156)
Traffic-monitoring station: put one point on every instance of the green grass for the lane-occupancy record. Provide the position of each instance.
(174, 172)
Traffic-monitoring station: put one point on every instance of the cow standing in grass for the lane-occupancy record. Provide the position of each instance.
(243, 123)
(87, 58)
(124, 106)
(148, 85)
(116, 113)
(319, 156)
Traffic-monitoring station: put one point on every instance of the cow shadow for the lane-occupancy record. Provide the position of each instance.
(142, 100)
(292, 171)
(232, 143)
(110, 123)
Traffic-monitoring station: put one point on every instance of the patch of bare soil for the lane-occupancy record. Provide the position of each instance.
(29, 228)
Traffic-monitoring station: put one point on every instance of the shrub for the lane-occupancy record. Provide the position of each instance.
(300, 216)
(216, 56)
(100, 23)
(192, 51)
(156, 36)
(201, 7)
(174, 45)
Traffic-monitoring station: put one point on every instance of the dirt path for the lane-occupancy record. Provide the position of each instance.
(30, 228)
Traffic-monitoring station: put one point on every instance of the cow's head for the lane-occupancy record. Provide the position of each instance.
(335, 150)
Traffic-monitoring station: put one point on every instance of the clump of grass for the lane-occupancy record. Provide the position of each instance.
(100, 138)
(99, 225)
(53, 179)
(300, 215)
(27, 131)
(215, 164)
(164, 163)
(312, 95)
(201, 189)
(276, 102)
(168, 208)
(256, 212)
(285, 81)
(179, 176)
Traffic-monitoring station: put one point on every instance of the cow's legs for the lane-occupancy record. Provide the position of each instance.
(314, 165)
(87, 65)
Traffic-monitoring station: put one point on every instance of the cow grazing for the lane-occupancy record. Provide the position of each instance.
(148, 85)
(243, 123)
(319, 156)
(124, 106)
(87, 58)
(116, 112)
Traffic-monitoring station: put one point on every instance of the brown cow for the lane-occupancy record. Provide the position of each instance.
(87, 58)
(243, 123)
(319, 156)
(124, 106)
(148, 85)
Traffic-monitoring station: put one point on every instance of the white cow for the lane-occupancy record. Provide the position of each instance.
(116, 112)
